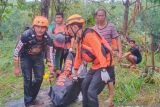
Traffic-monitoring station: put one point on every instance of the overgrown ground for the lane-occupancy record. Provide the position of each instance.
(131, 89)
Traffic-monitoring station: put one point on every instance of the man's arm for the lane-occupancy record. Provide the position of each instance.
(78, 59)
(126, 54)
(49, 57)
(108, 46)
(119, 48)
(116, 42)
(16, 57)
(50, 62)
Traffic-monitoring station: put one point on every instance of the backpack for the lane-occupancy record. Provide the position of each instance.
(59, 40)
(104, 44)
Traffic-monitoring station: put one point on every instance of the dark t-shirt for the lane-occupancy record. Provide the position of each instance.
(135, 51)
(31, 46)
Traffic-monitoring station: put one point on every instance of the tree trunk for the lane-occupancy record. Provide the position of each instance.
(152, 50)
(52, 10)
(125, 21)
(45, 7)
(146, 52)
(58, 9)
(33, 9)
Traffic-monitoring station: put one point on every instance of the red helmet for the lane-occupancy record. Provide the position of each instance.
(40, 21)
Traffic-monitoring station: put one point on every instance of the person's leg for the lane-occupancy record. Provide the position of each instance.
(109, 101)
(66, 51)
(131, 59)
(135, 61)
(85, 85)
(57, 63)
(95, 88)
(26, 66)
(110, 85)
(63, 57)
(38, 76)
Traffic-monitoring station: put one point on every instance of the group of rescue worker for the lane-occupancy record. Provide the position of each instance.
(95, 45)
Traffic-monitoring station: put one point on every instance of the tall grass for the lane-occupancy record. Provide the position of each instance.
(6, 55)
(128, 85)
(9, 85)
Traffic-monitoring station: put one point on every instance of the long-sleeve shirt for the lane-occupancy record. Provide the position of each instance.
(29, 46)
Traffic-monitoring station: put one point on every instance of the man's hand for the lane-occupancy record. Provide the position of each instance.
(119, 56)
(71, 50)
(50, 66)
(16, 66)
(113, 53)
(16, 71)
(75, 75)
(51, 76)
(119, 60)
(51, 69)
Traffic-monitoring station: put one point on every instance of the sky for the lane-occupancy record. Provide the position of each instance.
(30, 0)
(39, 0)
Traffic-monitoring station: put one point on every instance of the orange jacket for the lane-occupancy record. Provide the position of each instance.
(59, 29)
(90, 50)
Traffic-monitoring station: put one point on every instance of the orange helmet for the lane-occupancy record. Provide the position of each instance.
(76, 18)
(40, 21)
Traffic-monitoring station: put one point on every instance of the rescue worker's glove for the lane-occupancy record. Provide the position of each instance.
(104, 75)
(70, 50)
(75, 75)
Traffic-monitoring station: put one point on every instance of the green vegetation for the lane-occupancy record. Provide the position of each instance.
(10, 88)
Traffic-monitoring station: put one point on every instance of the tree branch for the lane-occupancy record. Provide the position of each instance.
(54, 2)
(132, 3)
(4, 3)
(147, 8)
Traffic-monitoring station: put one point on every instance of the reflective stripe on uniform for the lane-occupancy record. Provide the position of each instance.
(18, 48)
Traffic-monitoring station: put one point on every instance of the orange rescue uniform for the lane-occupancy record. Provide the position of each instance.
(90, 50)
